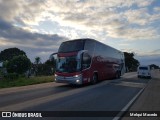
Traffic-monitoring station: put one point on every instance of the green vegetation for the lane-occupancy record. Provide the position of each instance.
(9, 53)
(154, 66)
(17, 68)
(130, 62)
(23, 81)
(15, 60)
(18, 64)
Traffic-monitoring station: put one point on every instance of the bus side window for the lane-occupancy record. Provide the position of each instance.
(86, 60)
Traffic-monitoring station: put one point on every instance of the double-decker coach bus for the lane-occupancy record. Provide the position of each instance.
(86, 60)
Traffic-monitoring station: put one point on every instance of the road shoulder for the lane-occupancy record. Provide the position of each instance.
(149, 100)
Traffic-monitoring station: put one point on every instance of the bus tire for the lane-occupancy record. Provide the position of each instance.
(117, 75)
(94, 79)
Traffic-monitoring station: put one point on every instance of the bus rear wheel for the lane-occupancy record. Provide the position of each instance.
(94, 79)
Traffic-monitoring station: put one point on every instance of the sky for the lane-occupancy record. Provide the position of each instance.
(38, 27)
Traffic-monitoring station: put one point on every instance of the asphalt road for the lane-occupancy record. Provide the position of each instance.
(101, 101)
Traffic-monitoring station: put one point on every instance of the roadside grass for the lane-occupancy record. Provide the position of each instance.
(23, 81)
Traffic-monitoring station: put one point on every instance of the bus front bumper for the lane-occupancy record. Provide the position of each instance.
(77, 79)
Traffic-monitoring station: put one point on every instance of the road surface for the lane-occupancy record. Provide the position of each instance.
(101, 101)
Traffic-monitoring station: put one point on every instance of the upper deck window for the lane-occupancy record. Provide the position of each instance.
(71, 46)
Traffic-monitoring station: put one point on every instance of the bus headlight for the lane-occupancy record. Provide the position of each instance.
(77, 81)
(77, 76)
(55, 77)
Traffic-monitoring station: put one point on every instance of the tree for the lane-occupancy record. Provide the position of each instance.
(18, 64)
(154, 66)
(37, 60)
(130, 62)
(36, 67)
(9, 53)
(52, 65)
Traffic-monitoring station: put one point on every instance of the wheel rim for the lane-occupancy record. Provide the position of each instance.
(94, 79)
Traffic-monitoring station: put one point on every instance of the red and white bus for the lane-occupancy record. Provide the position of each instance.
(86, 60)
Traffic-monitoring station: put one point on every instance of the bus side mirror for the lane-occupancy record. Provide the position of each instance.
(53, 57)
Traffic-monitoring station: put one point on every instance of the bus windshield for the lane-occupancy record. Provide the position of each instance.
(68, 64)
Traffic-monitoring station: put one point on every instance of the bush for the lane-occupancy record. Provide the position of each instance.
(11, 76)
(18, 64)
(22, 81)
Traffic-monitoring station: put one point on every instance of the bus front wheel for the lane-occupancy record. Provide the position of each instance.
(94, 79)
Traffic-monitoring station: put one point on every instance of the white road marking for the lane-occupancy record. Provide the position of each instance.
(118, 116)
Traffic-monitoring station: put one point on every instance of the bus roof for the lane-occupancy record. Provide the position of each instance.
(85, 39)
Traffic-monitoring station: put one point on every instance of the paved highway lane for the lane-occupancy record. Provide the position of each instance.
(22, 96)
(109, 95)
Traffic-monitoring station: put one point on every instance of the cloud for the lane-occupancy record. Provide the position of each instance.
(117, 18)
(24, 11)
(9, 31)
(11, 36)
(9, 9)
(156, 51)
(134, 33)
(102, 15)
(138, 16)
(5, 25)
(157, 9)
(142, 3)
(148, 60)
(123, 20)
